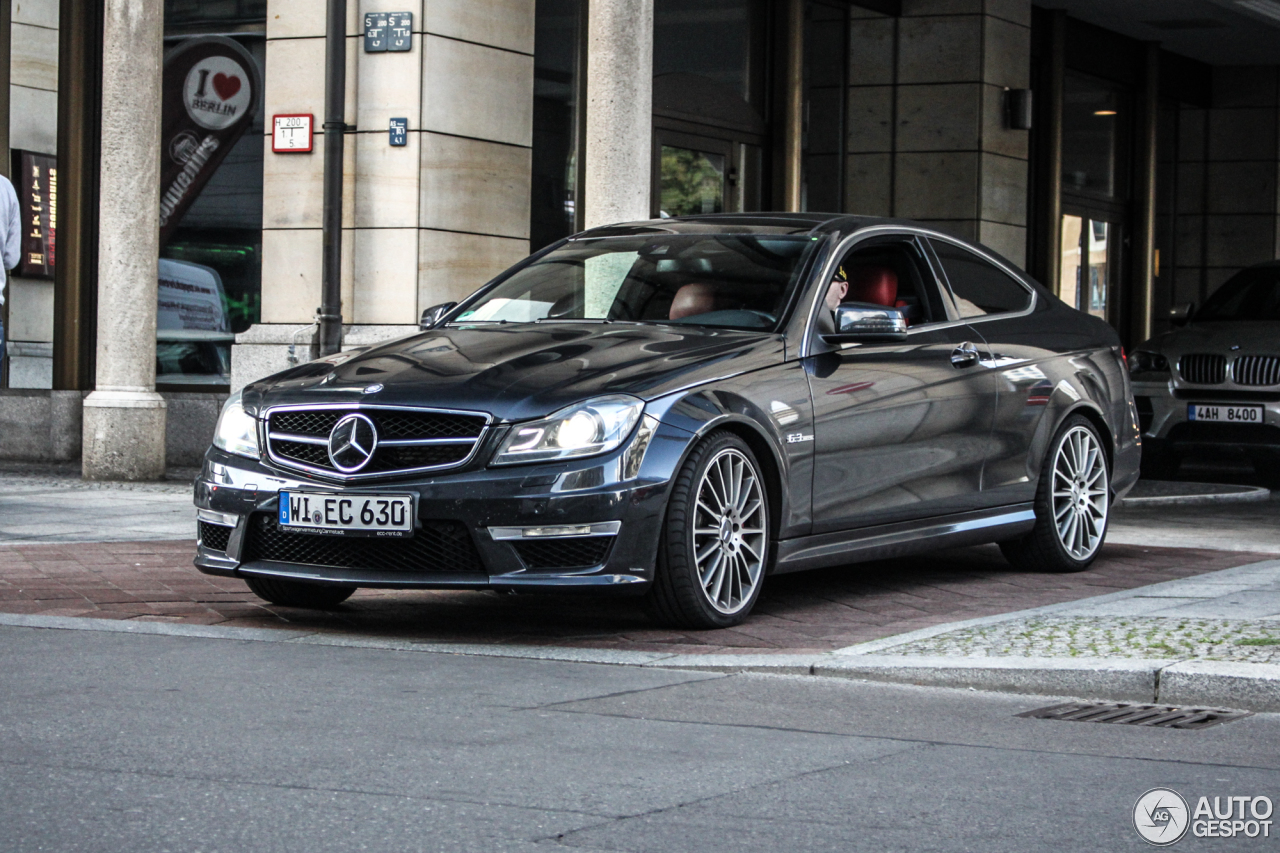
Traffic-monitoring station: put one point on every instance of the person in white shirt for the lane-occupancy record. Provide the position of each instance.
(10, 243)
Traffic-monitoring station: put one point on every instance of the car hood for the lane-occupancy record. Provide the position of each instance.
(520, 371)
(1226, 338)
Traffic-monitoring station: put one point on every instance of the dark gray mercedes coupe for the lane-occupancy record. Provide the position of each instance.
(679, 409)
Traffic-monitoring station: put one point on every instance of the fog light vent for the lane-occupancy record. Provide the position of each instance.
(1163, 716)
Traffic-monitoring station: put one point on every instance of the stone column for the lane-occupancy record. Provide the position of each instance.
(124, 418)
(619, 150)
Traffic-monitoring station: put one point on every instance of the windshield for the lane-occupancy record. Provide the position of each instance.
(733, 281)
(1248, 295)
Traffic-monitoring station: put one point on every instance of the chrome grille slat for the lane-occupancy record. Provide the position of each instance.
(1203, 368)
(1256, 370)
(411, 439)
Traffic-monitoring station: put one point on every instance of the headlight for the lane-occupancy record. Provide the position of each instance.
(1143, 361)
(583, 429)
(237, 430)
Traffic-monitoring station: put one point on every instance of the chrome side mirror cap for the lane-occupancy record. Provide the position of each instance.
(431, 316)
(866, 321)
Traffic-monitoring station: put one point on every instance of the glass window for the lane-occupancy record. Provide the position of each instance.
(1084, 279)
(709, 38)
(210, 271)
(889, 272)
(693, 182)
(734, 281)
(979, 288)
(1094, 116)
(553, 196)
(1252, 294)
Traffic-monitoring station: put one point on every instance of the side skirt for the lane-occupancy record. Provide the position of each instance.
(902, 538)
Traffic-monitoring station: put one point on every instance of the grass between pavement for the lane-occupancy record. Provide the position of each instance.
(1150, 637)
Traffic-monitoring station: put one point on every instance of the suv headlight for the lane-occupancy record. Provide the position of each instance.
(237, 430)
(583, 429)
(1144, 361)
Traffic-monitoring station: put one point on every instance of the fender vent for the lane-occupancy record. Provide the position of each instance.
(1162, 716)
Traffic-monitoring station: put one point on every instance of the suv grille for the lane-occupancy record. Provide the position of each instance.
(408, 439)
(1203, 368)
(1257, 370)
(436, 546)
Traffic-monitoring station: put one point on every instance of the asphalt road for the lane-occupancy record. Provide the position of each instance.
(116, 742)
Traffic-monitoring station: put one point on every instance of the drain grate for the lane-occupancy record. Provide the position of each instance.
(1125, 714)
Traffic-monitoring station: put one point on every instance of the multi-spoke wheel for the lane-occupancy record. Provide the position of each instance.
(715, 544)
(1073, 503)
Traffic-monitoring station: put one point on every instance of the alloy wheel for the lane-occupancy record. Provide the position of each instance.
(1080, 493)
(730, 531)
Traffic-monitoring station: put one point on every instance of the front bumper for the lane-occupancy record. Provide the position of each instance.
(467, 532)
(1166, 427)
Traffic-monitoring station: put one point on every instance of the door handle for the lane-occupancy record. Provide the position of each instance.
(964, 355)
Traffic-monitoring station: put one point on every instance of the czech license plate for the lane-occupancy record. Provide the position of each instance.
(332, 514)
(1225, 414)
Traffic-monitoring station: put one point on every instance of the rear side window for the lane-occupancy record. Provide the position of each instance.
(980, 288)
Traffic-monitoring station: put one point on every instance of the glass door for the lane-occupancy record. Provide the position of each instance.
(1089, 261)
(695, 174)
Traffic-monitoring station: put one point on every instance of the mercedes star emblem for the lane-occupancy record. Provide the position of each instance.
(352, 442)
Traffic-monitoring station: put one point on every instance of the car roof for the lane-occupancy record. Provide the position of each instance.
(745, 223)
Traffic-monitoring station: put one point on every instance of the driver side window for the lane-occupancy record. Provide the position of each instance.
(891, 272)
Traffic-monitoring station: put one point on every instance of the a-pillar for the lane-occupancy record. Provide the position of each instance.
(618, 157)
(124, 418)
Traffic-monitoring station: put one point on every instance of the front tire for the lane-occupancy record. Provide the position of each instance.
(288, 593)
(714, 549)
(1072, 505)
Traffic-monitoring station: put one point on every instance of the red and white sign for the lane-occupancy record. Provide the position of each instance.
(291, 134)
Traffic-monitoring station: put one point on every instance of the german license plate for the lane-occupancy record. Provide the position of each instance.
(1225, 414)
(330, 514)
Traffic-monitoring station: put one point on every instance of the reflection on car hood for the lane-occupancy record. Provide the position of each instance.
(520, 371)
(1245, 338)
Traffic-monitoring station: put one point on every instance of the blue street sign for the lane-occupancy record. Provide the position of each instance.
(399, 131)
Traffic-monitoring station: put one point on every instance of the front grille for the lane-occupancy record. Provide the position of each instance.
(298, 438)
(437, 546)
(569, 552)
(1203, 368)
(1122, 713)
(1256, 370)
(214, 536)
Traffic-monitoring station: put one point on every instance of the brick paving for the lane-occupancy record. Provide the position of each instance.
(804, 612)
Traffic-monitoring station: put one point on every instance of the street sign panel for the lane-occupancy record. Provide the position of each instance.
(399, 131)
(291, 134)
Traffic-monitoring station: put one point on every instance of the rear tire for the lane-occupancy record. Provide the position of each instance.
(1072, 504)
(287, 593)
(714, 548)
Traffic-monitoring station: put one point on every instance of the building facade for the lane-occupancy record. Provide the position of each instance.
(1126, 153)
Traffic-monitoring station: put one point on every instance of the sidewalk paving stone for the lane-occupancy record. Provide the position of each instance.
(813, 611)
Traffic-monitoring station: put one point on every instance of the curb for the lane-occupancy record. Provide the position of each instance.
(1243, 494)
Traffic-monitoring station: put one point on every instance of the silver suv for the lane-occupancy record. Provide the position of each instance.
(1213, 385)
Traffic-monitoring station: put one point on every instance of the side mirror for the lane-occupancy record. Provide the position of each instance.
(1180, 315)
(865, 321)
(432, 315)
